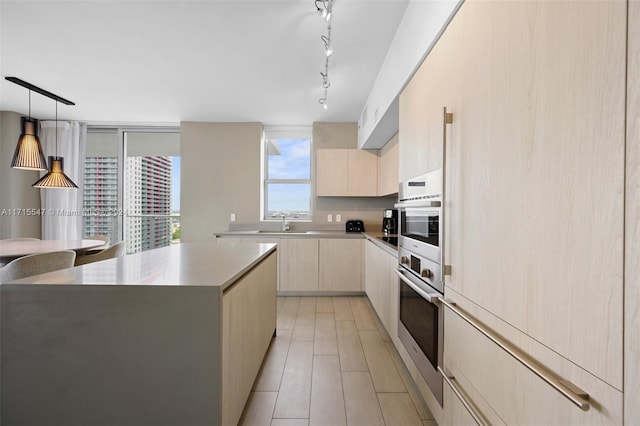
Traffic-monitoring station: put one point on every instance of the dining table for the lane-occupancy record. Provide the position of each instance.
(12, 249)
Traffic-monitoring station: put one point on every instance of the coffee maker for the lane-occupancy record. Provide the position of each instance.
(390, 222)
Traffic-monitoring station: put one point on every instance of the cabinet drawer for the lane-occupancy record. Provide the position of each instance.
(514, 393)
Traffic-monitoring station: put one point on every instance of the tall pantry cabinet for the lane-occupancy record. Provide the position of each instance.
(535, 201)
(632, 223)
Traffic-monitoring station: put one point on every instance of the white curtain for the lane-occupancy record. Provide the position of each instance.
(63, 207)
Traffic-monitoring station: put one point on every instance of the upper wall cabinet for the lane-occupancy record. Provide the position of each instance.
(388, 168)
(421, 23)
(435, 85)
(331, 172)
(347, 172)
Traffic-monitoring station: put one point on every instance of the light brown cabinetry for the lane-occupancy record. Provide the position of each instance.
(537, 173)
(381, 286)
(340, 264)
(394, 299)
(298, 264)
(320, 265)
(434, 86)
(377, 280)
(535, 168)
(388, 168)
(632, 227)
(505, 391)
(248, 323)
(331, 172)
(362, 176)
(346, 172)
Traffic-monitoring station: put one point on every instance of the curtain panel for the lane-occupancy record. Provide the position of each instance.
(62, 219)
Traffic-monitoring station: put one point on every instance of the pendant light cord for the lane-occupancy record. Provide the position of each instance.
(29, 105)
(56, 129)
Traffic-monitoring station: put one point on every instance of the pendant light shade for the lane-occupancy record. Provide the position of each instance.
(55, 179)
(28, 154)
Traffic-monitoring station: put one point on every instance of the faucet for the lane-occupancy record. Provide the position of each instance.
(285, 223)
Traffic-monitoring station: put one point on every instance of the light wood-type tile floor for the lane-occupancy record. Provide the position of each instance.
(332, 363)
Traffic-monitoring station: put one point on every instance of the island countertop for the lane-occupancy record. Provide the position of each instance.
(170, 336)
(215, 264)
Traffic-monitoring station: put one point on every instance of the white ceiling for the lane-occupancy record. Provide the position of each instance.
(171, 61)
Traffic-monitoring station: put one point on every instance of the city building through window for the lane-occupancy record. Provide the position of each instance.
(132, 187)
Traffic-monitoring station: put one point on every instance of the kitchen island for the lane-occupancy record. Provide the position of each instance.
(171, 336)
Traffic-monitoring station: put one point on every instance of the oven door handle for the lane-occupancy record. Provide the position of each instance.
(431, 298)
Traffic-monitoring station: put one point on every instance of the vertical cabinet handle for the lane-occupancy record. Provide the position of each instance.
(478, 417)
(447, 118)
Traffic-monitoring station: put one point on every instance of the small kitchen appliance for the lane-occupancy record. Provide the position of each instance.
(390, 222)
(354, 225)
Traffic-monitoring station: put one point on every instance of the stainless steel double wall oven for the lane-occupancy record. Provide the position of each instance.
(420, 325)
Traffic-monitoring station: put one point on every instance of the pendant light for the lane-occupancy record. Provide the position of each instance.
(28, 154)
(55, 178)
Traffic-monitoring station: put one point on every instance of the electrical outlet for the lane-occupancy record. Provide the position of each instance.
(338, 218)
(233, 217)
(329, 218)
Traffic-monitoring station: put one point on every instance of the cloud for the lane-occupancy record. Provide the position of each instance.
(294, 162)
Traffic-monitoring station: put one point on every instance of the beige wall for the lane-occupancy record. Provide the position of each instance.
(220, 175)
(16, 193)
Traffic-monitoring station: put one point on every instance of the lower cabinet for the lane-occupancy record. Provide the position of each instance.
(340, 264)
(502, 389)
(248, 324)
(394, 300)
(326, 264)
(381, 286)
(456, 413)
(377, 280)
(298, 264)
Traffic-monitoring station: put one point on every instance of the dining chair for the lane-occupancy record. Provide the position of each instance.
(35, 264)
(115, 250)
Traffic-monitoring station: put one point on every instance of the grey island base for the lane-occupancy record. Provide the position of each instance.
(172, 336)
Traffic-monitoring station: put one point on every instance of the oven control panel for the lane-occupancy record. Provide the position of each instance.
(425, 269)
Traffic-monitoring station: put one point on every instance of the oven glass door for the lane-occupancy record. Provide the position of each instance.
(422, 224)
(420, 318)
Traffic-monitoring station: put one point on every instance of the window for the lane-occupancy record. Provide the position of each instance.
(132, 186)
(287, 173)
(101, 185)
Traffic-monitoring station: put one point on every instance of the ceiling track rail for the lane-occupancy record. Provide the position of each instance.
(37, 89)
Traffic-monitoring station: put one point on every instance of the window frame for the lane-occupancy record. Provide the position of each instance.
(285, 132)
(121, 131)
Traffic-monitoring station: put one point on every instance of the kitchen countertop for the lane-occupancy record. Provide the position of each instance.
(373, 236)
(376, 237)
(291, 234)
(215, 264)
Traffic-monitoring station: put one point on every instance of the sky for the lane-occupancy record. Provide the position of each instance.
(294, 162)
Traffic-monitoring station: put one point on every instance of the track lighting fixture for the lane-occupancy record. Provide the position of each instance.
(328, 48)
(325, 10)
